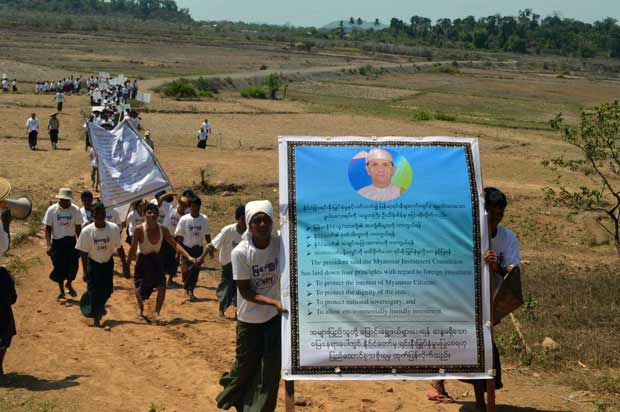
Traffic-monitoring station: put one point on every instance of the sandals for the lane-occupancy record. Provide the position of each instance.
(439, 397)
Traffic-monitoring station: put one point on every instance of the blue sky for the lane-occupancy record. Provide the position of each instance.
(321, 12)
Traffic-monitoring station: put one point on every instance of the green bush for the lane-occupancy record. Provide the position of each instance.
(180, 89)
(444, 116)
(423, 115)
(255, 92)
(366, 70)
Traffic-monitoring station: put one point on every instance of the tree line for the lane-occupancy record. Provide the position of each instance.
(525, 33)
(146, 9)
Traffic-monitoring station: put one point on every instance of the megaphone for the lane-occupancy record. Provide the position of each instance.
(20, 208)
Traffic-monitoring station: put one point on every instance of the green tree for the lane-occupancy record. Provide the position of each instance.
(597, 138)
(273, 84)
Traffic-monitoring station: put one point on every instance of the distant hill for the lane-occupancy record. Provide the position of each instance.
(348, 27)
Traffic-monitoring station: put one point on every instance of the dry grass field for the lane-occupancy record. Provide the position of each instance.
(57, 363)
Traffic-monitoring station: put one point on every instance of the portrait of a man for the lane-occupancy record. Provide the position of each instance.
(380, 169)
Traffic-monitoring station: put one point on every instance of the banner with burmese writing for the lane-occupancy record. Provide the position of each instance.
(384, 275)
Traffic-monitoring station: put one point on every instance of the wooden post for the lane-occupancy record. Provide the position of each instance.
(289, 396)
(491, 382)
(490, 395)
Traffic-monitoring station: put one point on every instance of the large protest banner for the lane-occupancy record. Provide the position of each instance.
(384, 274)
(128, 168)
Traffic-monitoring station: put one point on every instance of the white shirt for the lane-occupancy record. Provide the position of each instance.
(193, 229)
(100, 243)
(87, 217)
(206, 127)
(93, 158)
(62, 221)
(32, 124)
(506, 246)
(111, 215)
(384, 194)
(226, 241)
(262, 268)
(201, 135)
(164, 209)
(60, 97)
(171, 221)
(133, 219)
(4, 243)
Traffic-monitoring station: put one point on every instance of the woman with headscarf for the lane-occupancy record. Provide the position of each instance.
(252, 383)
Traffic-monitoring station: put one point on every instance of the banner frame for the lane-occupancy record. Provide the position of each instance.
(289, 371)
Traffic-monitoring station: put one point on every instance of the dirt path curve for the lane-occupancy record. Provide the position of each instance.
(312, 71)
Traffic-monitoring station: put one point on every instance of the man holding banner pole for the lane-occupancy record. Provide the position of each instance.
(502, 258)
(252, 383)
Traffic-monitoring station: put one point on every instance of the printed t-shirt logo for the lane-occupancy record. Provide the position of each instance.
(265, 276)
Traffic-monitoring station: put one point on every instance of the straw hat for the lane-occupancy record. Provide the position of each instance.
(65, 193)
(5, 189)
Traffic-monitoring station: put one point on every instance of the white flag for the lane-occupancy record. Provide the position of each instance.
(128, 168)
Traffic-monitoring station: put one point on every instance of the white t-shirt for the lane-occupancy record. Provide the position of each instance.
(87, 217)
(164, 209)
(4, 243)
(93, 157)
(62, 221)
(60, 97)
(262, 268)
(383, 194)
(201, 135)
(32, 124)
(506, 246)
(193, 229)
(206, 127)
(171, 221)
(100, 244)
(111, 215)
(133, 220)
(226, 241)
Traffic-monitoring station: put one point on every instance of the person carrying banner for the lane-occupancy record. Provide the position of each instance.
(226, 240)
(252, 383)
(97, 244)
(53, 126)
(63, 222)
(32, 127)
(8, 294)
(149, 271)
(502, 257)
(191, 231)
(94, 169)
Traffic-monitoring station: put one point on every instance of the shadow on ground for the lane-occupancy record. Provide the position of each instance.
(32, 383)
(471, 407)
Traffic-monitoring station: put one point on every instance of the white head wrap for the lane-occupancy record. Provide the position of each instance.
(252, 209)
(376, 154)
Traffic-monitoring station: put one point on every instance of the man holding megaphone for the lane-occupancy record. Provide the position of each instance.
(8, 295)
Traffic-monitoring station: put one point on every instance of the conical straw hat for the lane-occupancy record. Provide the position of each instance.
(5, 188)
